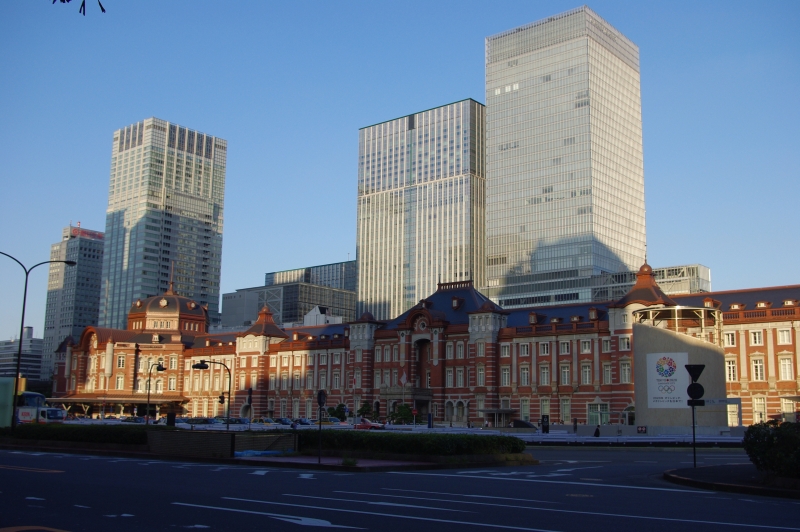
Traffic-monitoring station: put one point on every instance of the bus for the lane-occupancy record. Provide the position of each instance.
(31, 408)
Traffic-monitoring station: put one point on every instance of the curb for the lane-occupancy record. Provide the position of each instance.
(671, 476)
(256, 462)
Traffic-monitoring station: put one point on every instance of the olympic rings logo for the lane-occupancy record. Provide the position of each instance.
(666, 388)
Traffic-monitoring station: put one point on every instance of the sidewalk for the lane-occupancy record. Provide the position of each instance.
(743, 478)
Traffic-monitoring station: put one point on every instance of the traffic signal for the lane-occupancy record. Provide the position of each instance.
(222, 399)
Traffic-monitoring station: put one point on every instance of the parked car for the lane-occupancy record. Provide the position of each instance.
(522, 424)
(366, 424)
(265, 421)
(302, 421)
(284, 421)
(132, 419)
(330, 421)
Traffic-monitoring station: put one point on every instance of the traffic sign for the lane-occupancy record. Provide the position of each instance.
(322, 398)
(414, 412)
(695, 390)
(695, 370)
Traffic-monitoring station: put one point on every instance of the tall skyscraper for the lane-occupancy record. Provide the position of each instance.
(420, 206)
(565, 177)
(73, 293)
(164, 217)
(341, 275)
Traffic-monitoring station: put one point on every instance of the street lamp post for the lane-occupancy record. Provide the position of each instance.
(204, 365)
(158, 367)
(22, 329)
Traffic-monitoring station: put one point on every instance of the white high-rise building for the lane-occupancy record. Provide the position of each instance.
(164, 217)
(420, 206)
(565, 176)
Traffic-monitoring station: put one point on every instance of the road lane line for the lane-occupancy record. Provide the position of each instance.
(470, 495)
(30, 469)
(582, 512)
(621, 486)
(296, 519)
(414, 518)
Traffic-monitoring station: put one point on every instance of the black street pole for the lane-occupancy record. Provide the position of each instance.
(22, 330)
(694, 442)
(319, 437)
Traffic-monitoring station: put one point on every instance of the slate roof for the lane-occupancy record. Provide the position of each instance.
(646, 291)
(440, 304)
(748, 297)
(519, 317)
(265, 326)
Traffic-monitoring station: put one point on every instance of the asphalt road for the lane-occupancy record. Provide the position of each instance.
(572, 490)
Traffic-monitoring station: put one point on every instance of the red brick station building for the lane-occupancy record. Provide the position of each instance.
(455, 354)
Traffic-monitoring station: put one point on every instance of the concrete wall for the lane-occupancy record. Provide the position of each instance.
(650, 339)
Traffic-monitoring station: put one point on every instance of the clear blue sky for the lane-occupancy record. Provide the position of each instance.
(289, 84)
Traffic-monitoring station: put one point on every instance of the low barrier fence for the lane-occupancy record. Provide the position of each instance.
(208, 444)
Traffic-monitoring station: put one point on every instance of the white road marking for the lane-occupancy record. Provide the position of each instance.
(79, 506)
(471, 496)
(296, 519)
(197, 526)
(645, 462)
(576, 468)
(261, 472)
(603, 514)
(34, 499)
(551, 482)
(377, 503)
(309, 476)
(550, 475)
(127, 515)
(414, 518)
(476, 472)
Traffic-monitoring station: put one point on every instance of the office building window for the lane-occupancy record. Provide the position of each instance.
(448, 350)
(756, 338)
(730, 339)
(459, 350)
(544, 375)
(759, 409)
(523, 350)
(524, 376)
(606, 345)
(625, 372)
(624, 343)
(563, 348)
(758, 369)
(730, 370)
(449, 377)
(586, 373)
(566, 411)
(505, 376)
(544, 406)
(565, 377)
(525, 409)
(784, 337)
(460, 377)
(544, 349)
(481, 349)
(481, 376)
(786, 371)
(586, 346)
(606, 373)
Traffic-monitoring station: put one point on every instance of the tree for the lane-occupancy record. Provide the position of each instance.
(82, 9)
(402, 415)
(338, 412)
(365, 410)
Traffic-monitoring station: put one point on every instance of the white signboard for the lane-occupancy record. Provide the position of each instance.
(667, 380)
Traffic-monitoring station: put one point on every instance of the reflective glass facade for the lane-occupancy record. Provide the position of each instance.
(565, 177)
(73, 292)
(421, 196)
(165, 206)
(340, 275)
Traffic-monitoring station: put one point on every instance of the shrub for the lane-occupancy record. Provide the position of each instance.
(774, 447)
(423, 444)
(122, 434)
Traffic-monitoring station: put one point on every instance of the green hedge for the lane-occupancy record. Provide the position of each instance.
(774, 447)
(124, 434)
(404, 443)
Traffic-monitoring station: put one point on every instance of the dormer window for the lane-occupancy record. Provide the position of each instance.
(555, 320)
(708, 304)
(457, 302)
(789, 303)
(294, 337)
(532, 318)
(735, 306)
(575, 319)
(593, 313)
(762, 304)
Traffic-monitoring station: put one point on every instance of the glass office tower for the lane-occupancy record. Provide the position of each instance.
(420, 206)
(73, 292)
(565, 176)
(164, 217)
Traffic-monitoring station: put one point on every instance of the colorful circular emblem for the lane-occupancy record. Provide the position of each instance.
(666, 367)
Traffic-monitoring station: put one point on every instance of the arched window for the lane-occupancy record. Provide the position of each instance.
(159, 386)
